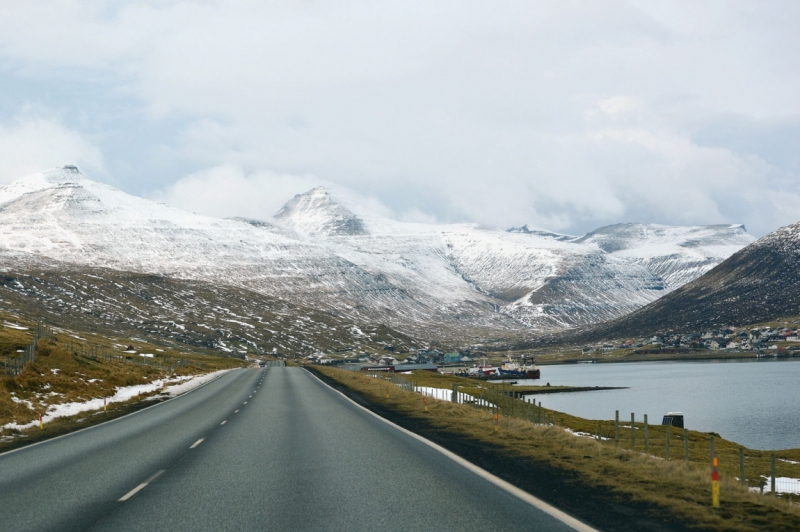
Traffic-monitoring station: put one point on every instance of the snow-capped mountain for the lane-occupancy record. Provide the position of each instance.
(676, 254)
(452, 279)
(316, 213)
(757, 283)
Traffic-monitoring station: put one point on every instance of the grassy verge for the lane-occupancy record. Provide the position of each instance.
(68, 370)
(677, 488)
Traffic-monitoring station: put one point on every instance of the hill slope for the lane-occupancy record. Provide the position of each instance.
(451, 282)
(755, 284)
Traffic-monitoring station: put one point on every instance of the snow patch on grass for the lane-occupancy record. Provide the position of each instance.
(180, 386)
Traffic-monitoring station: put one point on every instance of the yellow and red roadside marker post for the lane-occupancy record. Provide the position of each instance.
(714, 480)
(496, 421)
(424, 403)
(104, 404)
(41, 422)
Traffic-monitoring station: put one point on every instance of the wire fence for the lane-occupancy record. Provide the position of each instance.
(762, 472)
(14, 365)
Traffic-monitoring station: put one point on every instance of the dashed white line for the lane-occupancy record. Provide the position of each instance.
(140, 487)
(244, 403)
(224, 422)
(236, 412)
(198, 442)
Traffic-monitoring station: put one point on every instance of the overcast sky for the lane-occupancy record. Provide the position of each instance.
(562, 115)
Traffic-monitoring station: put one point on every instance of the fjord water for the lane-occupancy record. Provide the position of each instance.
(754, 403)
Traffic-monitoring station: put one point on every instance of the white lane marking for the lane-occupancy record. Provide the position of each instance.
(224, 422)
(133, 492)
(497, 481)
(198, 442)
(236, 412)
(250, 397)
(244, 403)
(140, 487)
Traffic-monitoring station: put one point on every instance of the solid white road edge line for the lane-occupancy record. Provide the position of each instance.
(198, 442)
(497, 481)
(140, 487)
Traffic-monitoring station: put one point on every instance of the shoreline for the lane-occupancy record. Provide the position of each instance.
(564, 464)
(666, 357)
(520, 390)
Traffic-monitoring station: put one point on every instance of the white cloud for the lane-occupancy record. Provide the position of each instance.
(227, 191)
(557, 114)
(30, 144)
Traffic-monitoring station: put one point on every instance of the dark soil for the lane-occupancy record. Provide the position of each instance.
(598, 507)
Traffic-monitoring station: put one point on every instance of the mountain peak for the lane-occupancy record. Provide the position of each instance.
(62, 174)
(316, 212)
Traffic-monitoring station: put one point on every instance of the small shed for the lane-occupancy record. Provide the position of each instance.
(673, 418)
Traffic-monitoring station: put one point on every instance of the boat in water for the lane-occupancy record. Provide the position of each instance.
(482, 370)
(520, 371)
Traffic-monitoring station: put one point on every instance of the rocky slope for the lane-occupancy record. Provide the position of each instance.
(451, 282)
(757, 283)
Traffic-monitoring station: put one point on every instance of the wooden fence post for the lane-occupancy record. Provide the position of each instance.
(666, 456)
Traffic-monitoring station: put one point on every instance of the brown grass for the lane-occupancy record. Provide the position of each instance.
(683, 488)
(62, 374)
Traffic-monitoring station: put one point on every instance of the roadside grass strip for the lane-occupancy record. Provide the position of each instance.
(72, 388)
(682, 488)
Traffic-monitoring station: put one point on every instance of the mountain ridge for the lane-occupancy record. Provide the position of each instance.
(459, 280)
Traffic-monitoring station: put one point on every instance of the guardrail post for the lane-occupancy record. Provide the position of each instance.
(633, 432)
(616, 429)
(714, 480)
(646, 437)
(454, 394)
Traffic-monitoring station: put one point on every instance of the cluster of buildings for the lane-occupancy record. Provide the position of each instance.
(729, 338)
(422, 356)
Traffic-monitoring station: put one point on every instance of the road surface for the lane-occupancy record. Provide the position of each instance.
(256, 449)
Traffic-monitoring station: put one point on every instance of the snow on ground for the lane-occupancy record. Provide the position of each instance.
(782, 485)
(446, 395)
(318, 246)
(193, 383)
(586, 435)
(180, 385)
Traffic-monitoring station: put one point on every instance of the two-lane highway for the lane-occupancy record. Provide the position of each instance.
(252, 450)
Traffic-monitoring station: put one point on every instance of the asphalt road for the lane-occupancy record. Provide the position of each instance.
(266, 449)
